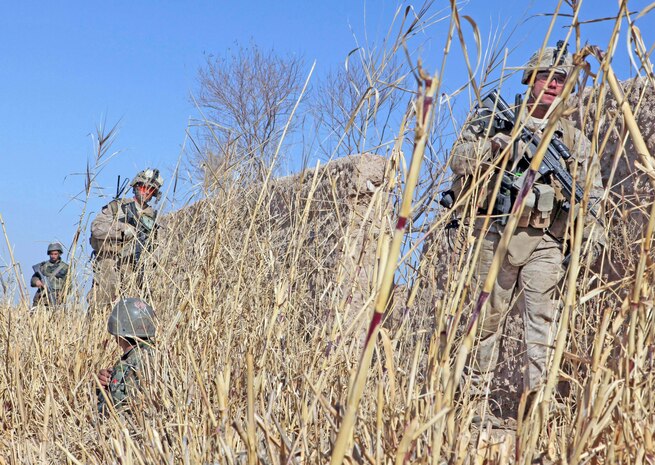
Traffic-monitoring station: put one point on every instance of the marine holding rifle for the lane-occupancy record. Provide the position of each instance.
(50, 278)
(534, 264)
(121, 237)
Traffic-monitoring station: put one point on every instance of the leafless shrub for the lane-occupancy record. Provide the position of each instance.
(245, 97)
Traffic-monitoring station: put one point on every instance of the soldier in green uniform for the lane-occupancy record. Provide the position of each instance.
(132, 322)
(121, 236)
(50, 278)
(533, 266)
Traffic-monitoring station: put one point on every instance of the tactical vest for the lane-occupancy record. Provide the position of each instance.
(126, 377)
(543, 205)
(117, 248)
(55, 273)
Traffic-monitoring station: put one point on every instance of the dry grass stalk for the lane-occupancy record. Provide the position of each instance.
(424, 106)
(260, 347)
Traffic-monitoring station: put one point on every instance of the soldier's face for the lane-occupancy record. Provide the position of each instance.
(54, 255)
(123, 344)
(145, 193)
(551, 87)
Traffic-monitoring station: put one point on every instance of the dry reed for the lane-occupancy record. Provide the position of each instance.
(263, 294)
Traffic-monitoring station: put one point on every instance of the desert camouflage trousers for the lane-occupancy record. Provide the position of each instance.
(532, 287)
(111, 278)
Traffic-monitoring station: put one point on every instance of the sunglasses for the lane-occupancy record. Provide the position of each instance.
(146, 189)
(559, 78)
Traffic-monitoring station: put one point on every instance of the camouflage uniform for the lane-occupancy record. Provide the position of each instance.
(117, 246)
(132, 322)
(120, 234)
(532, 268)
(56, 274)
(126, 379)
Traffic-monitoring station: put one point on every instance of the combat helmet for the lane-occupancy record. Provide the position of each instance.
(132, 318)
(547, 60)
(149, 177)
(55, 246)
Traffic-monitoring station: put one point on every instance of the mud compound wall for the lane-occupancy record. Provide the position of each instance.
(306, 242)
(335, 214)
(630, 193)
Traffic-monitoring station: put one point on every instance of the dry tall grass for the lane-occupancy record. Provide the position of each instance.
(259, 344)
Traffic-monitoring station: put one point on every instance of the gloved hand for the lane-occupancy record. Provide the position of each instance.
(500, 141)
(129, 232)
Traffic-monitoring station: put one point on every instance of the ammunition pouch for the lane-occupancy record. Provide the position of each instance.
(539, 206)
(544, 205)
(560, 219)
(504, 198)
(524, 221)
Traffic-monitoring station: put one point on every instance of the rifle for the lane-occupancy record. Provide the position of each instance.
(47, 287)
(144, 227)
(505, 119)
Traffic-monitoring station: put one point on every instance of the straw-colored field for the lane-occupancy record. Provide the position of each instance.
(264, 295)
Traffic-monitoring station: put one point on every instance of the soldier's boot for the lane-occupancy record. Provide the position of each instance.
(476, 383)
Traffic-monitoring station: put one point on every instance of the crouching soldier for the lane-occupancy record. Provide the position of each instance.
(50, 278)
(132, 322)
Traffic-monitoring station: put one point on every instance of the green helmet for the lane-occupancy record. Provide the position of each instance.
(55, 246)
(132, 318)
(547, 60)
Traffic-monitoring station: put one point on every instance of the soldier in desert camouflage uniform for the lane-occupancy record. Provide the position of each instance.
(121, 236)
(132, 323)
(50, 278)
(533, 266)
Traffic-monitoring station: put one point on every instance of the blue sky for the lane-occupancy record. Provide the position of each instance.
(67, 66)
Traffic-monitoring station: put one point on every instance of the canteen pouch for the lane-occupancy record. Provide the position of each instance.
(544, 204)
